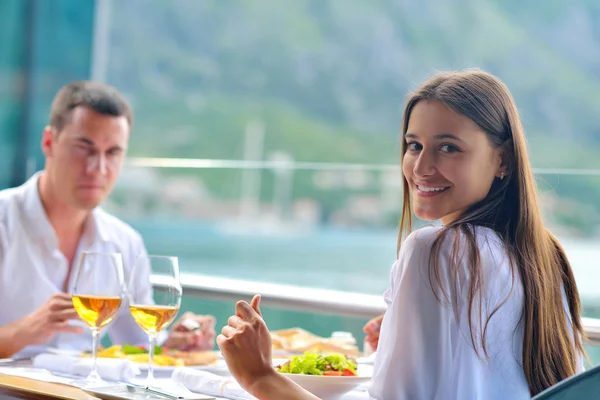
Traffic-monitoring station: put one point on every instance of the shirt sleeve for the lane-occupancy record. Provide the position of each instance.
(4, 242)
(415, 344)
(124, 328)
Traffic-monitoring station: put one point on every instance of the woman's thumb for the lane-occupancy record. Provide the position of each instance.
(255, 304)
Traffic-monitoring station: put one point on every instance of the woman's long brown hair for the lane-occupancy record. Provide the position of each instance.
(511, 209)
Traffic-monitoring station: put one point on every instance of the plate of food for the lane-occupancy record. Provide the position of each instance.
(325, 376)
(165, 360)
(297, 341)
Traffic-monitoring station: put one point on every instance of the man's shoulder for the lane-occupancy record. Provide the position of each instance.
(8, 199)
(114, 227)
(9, 195)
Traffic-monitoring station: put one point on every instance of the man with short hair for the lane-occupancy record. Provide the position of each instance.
(47, 223)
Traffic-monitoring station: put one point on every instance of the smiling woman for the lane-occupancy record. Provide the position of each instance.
(462, 136)
(448, 163)
(483, 307)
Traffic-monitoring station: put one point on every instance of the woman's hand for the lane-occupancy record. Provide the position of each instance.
(246, 344)
(372, 329)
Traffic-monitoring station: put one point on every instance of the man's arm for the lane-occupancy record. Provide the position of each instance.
(11, 341)
(40, 326)
(125, 330)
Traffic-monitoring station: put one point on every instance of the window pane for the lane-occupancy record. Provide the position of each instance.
(12, 76)
(324, 82)
(44, 45)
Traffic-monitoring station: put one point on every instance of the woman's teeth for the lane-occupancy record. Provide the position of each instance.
(431, 189)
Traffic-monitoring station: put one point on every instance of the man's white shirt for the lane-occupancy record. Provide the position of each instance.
(32, 268)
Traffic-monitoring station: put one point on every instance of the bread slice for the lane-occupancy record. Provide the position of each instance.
(297, 340)
(194, 357)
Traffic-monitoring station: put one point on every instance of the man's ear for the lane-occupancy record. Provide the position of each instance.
(48, 136)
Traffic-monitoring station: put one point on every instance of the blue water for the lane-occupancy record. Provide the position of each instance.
(330, 258)
(355, 260)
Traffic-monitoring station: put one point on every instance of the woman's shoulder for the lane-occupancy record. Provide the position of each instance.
(451, 240)
(447, 254)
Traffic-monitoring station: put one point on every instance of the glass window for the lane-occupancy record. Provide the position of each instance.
(324, 82)
(295, 84)
(44, 46)
(12, 79)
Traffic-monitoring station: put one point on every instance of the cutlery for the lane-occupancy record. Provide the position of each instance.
(5, 362)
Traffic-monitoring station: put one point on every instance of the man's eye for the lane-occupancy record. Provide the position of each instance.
(82, 149)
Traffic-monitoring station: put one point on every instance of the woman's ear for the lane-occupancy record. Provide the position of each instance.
(503, 161)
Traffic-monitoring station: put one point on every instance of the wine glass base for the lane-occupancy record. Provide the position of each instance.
(93, 381)
(149, 381)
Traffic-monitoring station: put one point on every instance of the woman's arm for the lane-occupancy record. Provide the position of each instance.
(373, 329)
(246, 346)
(276, 386)
(415, 349)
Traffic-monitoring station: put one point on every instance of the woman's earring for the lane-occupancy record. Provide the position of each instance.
(501, 175)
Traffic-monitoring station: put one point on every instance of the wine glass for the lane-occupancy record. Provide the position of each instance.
(97, 294)
(155, 314)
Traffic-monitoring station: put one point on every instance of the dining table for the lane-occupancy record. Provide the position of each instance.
(26, 382)
(17, 387)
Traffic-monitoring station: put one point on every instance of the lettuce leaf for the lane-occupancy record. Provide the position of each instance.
(130, 349)
(316, 364)
(339, 362)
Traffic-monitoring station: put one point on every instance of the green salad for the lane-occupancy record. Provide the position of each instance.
(317, 364)
(131, 349)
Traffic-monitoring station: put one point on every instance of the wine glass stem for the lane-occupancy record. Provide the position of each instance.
(152, 340)
(94, 374)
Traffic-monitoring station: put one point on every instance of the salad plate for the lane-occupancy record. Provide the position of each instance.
(325, 376)
(328, 387)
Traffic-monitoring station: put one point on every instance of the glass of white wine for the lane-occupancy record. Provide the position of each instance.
(97, 293)
(155, 312)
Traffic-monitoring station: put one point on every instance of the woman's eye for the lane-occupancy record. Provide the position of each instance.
(413, 146)
(448, 148)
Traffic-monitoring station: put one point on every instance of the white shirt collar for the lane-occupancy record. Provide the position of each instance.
(39, 227)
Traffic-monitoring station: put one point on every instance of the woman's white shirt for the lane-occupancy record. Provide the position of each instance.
(425, 348)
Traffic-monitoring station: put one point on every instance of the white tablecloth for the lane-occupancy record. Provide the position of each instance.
(162, 381)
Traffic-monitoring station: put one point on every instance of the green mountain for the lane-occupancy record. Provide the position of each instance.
(328, 79)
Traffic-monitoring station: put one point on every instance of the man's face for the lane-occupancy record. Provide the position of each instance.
(84, 159)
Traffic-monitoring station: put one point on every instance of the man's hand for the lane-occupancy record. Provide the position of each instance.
(51, 318)
(372, 329)
(181, 337)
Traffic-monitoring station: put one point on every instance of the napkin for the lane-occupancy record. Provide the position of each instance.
(214, 385)
(109, 368)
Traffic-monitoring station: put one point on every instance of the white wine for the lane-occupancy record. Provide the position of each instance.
(153, 318)
(97, 311)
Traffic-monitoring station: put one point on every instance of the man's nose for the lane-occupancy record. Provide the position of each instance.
(97, 163)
